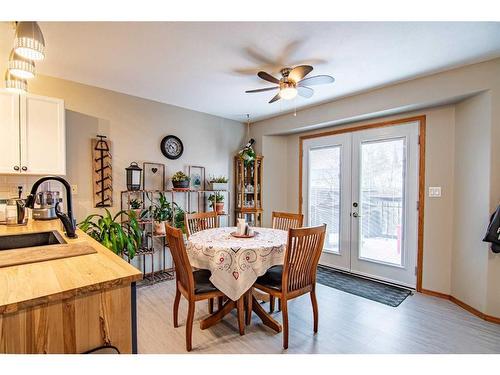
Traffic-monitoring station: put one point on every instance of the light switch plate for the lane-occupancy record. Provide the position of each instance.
(434, 191)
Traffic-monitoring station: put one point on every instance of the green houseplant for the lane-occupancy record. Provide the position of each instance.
(217, 200)
(218, 183)
(180, 180)
(135, 207)
(160, 212)
(115, 236)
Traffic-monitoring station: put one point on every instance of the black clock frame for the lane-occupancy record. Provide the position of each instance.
(164, 151)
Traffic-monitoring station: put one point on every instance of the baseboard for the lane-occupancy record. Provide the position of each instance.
(463, 305)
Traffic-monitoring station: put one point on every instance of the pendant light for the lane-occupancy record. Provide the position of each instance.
(14, 84)
(29, 42)
(21, 67)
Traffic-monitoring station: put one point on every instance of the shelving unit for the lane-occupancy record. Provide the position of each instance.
(153, 244)
(248, 188)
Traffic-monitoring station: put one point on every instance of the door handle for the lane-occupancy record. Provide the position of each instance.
(16, 167)
(24, 168)
(355, 214)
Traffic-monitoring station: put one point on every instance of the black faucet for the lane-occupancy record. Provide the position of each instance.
(67, 219)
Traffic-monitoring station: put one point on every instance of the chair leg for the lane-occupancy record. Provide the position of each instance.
(271, 304)
(249, 308)
(241, 314)
(284, 312)
(189, 326)
(211, 306)
(220, 302)
(176, 307)
(314, 302)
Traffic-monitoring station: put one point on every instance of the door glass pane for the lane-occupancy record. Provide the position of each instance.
(382, 200)
(324, 193)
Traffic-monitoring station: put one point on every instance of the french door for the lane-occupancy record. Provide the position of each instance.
(364, 186)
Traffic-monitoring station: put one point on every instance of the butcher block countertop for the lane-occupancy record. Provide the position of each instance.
(31, 284)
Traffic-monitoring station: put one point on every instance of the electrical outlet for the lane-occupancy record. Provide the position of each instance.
(74, 189)
(434, 191)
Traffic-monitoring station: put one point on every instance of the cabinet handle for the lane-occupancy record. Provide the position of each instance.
(16, 167)
(24, 168)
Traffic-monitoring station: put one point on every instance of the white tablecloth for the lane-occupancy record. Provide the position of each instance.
(235, 263)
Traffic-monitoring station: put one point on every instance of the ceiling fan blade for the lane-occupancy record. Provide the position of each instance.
(264, 89)
(275, 98)
(316, 80)
(305, 92)
(267, 77)
(299, 72)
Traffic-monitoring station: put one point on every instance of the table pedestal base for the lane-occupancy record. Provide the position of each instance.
(229, 306)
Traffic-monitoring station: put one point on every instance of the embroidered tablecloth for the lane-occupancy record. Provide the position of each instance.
(235, 263)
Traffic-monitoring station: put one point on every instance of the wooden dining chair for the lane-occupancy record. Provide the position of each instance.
(193, 285)
(200, 221)
(297, 276)
(284, 221)
(197, 222)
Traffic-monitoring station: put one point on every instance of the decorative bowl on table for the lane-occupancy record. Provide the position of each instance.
(235, 234)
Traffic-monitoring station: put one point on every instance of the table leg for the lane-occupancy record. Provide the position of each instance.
(217, 317)
(264, 316)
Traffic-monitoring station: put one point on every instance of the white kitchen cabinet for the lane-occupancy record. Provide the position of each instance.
(9, 132)
(38, 141)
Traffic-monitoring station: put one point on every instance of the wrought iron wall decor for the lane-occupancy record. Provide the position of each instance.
(153, 177)
(102, 181)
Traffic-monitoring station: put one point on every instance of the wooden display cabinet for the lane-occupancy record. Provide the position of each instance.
(248, 190)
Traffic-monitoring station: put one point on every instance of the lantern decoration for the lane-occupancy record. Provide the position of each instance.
(134, 173)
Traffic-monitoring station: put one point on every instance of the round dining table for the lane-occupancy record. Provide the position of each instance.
(235, 264)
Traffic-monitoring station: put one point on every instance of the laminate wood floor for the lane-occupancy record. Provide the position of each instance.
(347, 324)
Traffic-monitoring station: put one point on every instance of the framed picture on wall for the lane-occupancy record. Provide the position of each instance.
(197, 176)
(153, 176)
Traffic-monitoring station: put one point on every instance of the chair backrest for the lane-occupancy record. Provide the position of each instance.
(285, 220)
(302, 255)
(200, 221)
(183, 270)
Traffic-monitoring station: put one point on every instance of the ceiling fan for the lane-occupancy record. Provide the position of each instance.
(293, 83)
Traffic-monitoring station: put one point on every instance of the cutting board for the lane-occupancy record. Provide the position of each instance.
(36, 254)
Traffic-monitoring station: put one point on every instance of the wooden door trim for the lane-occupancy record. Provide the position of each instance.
(421, 174)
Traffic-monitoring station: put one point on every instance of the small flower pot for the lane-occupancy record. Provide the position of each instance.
(159, 228)
(180, 184)
(219, 208)
(218, 185)
(136, 212)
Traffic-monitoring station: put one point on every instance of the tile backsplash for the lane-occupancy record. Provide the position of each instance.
(9, 184)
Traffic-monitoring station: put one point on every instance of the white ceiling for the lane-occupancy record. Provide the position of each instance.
(208, 66)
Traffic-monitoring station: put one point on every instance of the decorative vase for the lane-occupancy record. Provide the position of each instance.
(180, 184)
(159, 228)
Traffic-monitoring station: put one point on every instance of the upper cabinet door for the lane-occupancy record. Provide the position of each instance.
(43, 138)
(9, 130)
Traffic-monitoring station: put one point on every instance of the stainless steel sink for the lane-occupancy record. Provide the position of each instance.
(19, 241)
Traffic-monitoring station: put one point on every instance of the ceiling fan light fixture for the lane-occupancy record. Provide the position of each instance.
(288, 93)
(14, 84)
(29, 42)
(21, 67)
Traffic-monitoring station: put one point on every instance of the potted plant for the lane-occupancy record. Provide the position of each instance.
(218, 183)
(115, 236)
(160, 212)
(217, 200)
(180, 180)
(135, 207)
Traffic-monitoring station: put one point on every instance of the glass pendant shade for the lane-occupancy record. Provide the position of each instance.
(288, 93)
(14, 84)
(21, 67)
(29, 42)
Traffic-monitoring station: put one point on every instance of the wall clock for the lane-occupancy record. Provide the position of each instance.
(171, 147)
